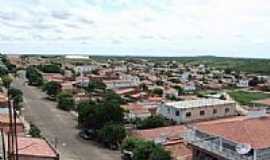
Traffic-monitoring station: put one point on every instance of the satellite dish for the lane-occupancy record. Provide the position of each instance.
(242, 148)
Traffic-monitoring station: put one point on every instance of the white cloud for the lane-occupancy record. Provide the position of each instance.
(144, 25)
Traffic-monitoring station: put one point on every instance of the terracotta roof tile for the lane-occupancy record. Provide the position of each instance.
(35, 147)
(255, 131)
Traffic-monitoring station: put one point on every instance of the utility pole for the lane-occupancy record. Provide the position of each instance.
(12, 133)
(3, 144)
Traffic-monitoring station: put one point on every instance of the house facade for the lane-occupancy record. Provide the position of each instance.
(195, 110)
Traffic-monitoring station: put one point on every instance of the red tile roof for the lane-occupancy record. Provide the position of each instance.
(255, 132)
(35, 147)
(175, 131)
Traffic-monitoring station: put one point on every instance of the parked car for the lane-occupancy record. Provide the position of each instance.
(87, 134)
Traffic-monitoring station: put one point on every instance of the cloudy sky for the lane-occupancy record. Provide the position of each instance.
(239, 28)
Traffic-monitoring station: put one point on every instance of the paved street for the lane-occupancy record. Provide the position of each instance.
(59, 127)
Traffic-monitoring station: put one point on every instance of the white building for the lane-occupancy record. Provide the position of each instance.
(127, 77)
(195, 110)
(185, 77)
(189, 87)
(243, 83)
(116, 84)
(77, 57)
(85, 68)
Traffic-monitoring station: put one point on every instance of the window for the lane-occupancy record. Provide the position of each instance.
(188, 114)
(168, 110)
(202, 113)
(214, 111)
(177, 113)
(227, 110)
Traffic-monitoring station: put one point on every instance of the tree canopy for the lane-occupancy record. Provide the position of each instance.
(3, 71)
(94, 85)
(157, 92)
(17, 97)
(52, 88)
(33, 76)
(6, 80)
(50, 68)
(95, 115)
(112, 135)
(152, 122)
(65, 101)
(145, 150)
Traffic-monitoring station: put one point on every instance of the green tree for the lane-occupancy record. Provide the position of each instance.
(6, 80)
(111, 96)
(87, 111)
(33, 76)
(152, 122)
(94, 85)
(159, 153)
(52, 88)
(145, 150)
(228, 71)
(65, 101)
(180, 90)
(3, 71)
(50, 68)
(130, 144)
(17, 97)
(112, 135)
(158, 92)
(96, 115)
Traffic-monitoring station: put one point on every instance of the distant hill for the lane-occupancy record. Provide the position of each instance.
(249, 65)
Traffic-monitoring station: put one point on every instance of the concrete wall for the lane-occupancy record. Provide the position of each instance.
(170, 112)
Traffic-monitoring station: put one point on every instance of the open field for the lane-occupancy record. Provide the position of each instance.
(245, 98)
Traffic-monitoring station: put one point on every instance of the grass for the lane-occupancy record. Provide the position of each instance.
(245, 98)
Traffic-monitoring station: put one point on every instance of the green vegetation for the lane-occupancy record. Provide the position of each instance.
(249, 65)
(95, 115)
(94, 85)
(245, 98)
(17, 96)
(157, 92)
(112, 135)
(3, 71)
(144, 150)
(6, 80)
(105, 117)
(65, 101)
(153, 122)
(34, 131)
(180, 90)
(11, 67)
(52, 88)
(50, 68)
(34, 77)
